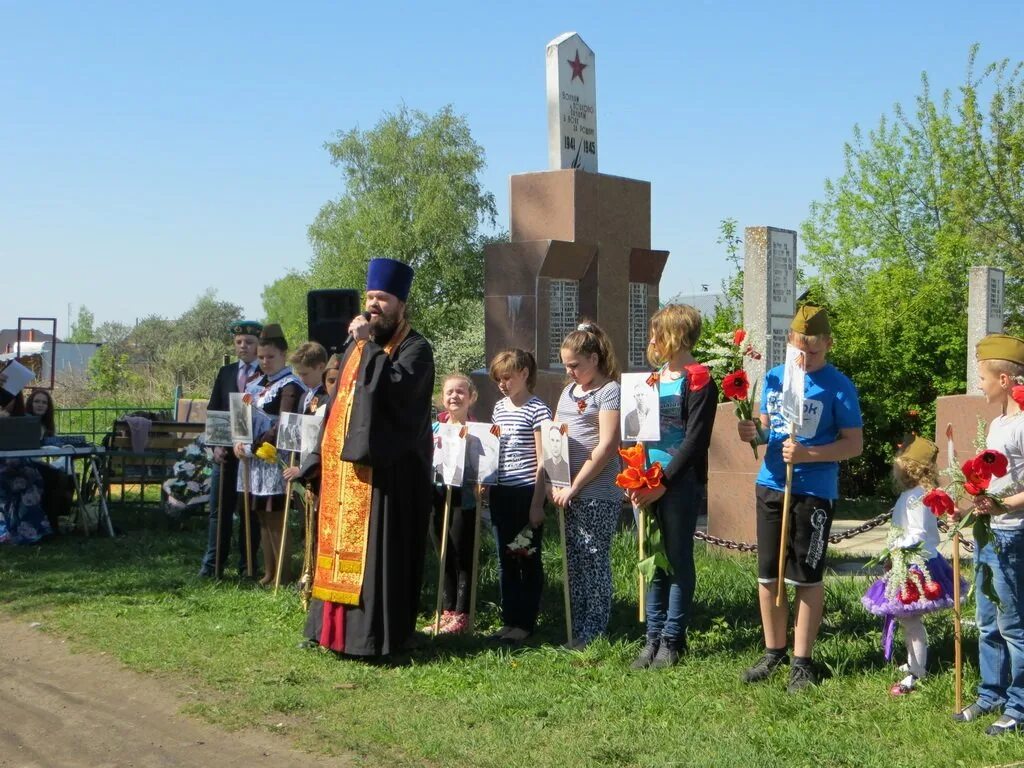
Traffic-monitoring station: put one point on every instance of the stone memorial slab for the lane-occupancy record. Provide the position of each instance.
(572, 104)
(984, 314)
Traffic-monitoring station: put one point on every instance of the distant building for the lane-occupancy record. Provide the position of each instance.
(36, 350)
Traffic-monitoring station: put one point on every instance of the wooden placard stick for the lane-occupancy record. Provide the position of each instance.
(780, 593)
(442, 559)
(220, 521)
(641, 543)
(958, 661)
(282, 553)
(245, 511)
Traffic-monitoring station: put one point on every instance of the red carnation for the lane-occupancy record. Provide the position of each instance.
(932, 590)
(1017, 393)
(698, 376)
(736, 385)
(909, 593)
(738, 336)
(939, 502)
(993, 462)
(976, 478)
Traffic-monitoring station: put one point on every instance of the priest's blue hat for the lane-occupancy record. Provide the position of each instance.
(390, 276)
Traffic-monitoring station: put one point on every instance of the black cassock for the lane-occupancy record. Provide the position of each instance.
(389, 429)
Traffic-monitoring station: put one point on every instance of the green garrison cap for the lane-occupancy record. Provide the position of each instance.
(245, 327)
(811, 321)
(999, 346)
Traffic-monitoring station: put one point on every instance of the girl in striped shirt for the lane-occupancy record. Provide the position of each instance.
(513, 506)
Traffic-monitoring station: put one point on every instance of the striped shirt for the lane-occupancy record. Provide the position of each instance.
(517, 459)
(584, 434)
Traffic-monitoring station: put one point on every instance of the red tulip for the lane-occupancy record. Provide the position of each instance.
(738, 336)
(939, 502)
(630, 479)
(736, 385)
(993, 462)
(634, 457)
(976, 479)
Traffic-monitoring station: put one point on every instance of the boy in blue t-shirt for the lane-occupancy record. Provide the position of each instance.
(831, 432)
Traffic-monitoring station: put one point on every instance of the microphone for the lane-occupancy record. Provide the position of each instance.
(350, 338)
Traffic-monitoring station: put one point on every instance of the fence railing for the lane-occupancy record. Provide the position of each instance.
(94, 423)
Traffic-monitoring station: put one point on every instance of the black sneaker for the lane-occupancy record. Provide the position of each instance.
(667, 656)
(646, 656)
(765, 667)
(1004, 724)
(973, 712)
(801, 676)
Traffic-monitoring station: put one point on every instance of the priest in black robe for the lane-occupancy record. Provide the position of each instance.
(374, 465)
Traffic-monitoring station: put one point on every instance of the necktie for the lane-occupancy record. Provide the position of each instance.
(243, 376)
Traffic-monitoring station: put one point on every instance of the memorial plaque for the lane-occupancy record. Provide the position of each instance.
(572, 104)
(985, 299)
(782, 273)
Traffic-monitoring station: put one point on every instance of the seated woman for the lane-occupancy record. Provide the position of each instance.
(58, 485)
(22, 519)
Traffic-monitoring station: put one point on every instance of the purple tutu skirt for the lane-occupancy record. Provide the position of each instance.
(875, 601)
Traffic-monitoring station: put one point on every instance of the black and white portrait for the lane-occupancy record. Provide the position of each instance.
(289, 432)
(481, 454)
(450, 454)
(241, 419)
(218, 428)
(641, 420)
(310, 435)
(555, 442)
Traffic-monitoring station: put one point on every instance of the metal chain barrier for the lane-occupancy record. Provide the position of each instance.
(745, 546)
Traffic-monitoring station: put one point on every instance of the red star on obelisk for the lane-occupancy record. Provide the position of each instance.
(577, 67)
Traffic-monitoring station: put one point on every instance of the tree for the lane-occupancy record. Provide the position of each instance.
(284, 302)
(412, 193)
(82, 330)
(923, 197)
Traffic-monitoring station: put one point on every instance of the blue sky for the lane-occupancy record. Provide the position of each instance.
(149, 151)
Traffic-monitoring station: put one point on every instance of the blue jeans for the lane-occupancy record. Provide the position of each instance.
(1001, 628)
(670, 596)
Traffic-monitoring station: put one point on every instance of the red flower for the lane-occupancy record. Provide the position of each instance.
(698, 376)
(652, 477)
(634, 457)
(736, 385)
(939, 502)
(976, 479)
(909, 593)
(993, 462)
(1017, 393)
(738, 336)
(932, 590)
(630, 479)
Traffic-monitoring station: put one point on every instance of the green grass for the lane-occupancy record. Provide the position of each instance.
(459, 702)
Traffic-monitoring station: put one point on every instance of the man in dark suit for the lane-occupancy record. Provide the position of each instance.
(233, 377)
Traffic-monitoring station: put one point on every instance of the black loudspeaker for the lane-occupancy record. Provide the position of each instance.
(330, 311)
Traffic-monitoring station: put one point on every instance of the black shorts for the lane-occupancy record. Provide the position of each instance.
(810, 520)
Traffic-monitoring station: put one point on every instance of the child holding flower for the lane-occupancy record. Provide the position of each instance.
(998, 479)
(517, 508)
(688, 398)
(919, 581)
(277, 391)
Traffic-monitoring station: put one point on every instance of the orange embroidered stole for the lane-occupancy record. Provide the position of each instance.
(346, 495)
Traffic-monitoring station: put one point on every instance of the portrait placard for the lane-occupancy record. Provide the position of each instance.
(310, 438)
(793, 386)
(482, 445)
(241, 418)
(555, 443)
(639, 414)
(289, 432)
(450, 454)
(218, 428)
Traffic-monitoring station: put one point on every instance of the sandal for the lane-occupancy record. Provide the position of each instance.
(904, 686)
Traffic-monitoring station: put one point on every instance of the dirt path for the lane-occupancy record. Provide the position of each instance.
(85, 710)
